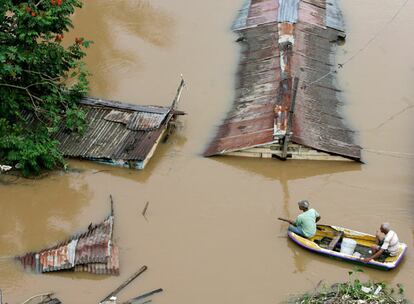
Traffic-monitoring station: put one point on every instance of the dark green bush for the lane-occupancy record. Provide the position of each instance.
(41, 81)
(352, 292)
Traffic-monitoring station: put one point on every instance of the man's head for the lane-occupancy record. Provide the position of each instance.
(385, 227)
(303, 205)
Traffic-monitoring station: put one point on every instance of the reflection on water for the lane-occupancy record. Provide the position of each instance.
(300, 260)
(120, 30)
(285, 171)
(212, 231)
(33, 218)
(288, 170)
(37, 214)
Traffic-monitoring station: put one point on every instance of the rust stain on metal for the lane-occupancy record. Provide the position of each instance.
(92, 251)
(118, 133)
(115, 132)
(273, 53)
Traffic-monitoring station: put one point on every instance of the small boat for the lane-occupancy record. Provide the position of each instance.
(327, 241)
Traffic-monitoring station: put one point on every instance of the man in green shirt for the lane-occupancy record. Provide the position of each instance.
(305, 223)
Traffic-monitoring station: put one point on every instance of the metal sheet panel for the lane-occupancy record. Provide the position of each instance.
(94, 245)
(318, 121)
(267, 64)
(89, 101)
(142, 121)
(139, 144)
(320, 3)
(241, 19)
(118, 116)
(114, 134)
(91, 251)
(288, 11)
(334, 17)
(312, 14)
(250, 122)
(262, 12)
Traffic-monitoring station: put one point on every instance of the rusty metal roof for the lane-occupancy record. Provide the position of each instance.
(92, 251)
(334, 18)
(115, 131)
(241, 19)
(288, 11)
(250, 122)
(273, 52)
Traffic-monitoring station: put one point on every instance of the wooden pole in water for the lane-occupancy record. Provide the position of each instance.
(290, 121)
(143, 296)
(145, 210)
(112, 205)
(178, 94)
(123, 285)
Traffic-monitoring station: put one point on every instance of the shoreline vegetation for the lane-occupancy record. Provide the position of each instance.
(42, 81)
(353, 292)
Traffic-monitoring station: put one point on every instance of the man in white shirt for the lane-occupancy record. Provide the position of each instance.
(388, 243)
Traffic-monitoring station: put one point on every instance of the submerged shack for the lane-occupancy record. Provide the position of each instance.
(119, 134)
(287, 103)
(91, 251)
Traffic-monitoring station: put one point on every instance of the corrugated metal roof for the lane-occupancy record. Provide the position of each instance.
(141, 121)
(312, 14)
(136, 121)
(241, 19)
(118, 116)
(334, 17)
(89, 101)
(318, 121)
(274, 53)
(115, 131)
(250, 121)
(92, 251)
(261, 12)
(288, 11)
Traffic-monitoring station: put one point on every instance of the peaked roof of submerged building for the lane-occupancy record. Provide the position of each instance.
(282, 40)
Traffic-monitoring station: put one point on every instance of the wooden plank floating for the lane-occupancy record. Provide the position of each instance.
(125, 283)
(282, 40)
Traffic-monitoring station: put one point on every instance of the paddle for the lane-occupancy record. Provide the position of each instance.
(285, 220)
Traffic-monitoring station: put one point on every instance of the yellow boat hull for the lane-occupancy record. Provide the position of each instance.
(363, 240)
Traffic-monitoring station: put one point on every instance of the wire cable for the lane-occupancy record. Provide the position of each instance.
(363, 48)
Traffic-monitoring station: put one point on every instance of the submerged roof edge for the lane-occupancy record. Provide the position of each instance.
(91, 101)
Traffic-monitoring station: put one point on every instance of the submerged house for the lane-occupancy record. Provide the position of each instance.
(119, 134)
(287, 104)
(91, 251)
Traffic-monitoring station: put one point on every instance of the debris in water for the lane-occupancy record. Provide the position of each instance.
(145, 210)
(92, 251)
(113, 294)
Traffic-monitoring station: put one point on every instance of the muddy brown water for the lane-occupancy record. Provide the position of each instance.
(211, 234)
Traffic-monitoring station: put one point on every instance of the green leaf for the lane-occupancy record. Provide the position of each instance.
(30, 58)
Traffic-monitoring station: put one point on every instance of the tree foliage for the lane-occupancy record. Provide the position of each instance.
(353, 292)
(41, 81)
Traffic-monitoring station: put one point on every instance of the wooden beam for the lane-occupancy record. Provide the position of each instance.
(294, 151)
(290, 119)
(124, 284)
(335, 241)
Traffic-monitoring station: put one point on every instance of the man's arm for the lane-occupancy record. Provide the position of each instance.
(286, 220)
(318, 218)
(377, 254)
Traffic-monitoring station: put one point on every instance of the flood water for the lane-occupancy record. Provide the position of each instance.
(211, 234)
